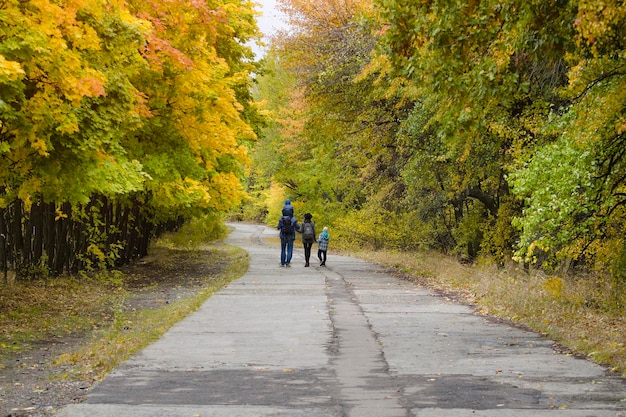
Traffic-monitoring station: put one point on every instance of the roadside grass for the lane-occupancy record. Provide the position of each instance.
(98, 309)
(51, 309)
(582, 315)
(134, 330)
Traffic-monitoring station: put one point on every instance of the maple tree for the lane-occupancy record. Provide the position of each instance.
(196, 126)
(118, 118)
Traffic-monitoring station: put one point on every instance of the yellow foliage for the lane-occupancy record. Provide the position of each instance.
(274, 200)
(596, 22)
(318, 16)
(376, 228)
(59, 214)
(96, 251)
(554, 287)
(38, 144)
(28, 189)
(9, 70)
(225, 191)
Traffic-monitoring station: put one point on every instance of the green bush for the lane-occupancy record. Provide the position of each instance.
(195, 232)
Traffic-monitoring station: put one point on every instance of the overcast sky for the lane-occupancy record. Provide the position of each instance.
(270, 20)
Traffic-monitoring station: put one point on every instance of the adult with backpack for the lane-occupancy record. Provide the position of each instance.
(288, 225)
(308, 236)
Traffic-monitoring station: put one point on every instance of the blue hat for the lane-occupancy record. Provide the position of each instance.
(288, 201)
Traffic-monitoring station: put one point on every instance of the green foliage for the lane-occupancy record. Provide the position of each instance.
(500, 235)
(555, 184)
(496, 128)
(469, 232)
(195, 232)
(574, 185)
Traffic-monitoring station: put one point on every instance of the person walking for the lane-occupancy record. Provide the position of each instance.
(288, 225)
(322, 247)
(308, 236)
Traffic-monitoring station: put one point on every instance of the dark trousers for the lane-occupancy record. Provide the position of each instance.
(307, 251)
(321, 254)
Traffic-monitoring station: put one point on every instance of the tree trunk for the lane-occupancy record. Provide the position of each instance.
(36, 219)
(123, 225)
(16, 240)
(63, 248)
(50, 234)
(4, 261)
(486, 199)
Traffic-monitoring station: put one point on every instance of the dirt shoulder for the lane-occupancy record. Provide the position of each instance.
(35, 383)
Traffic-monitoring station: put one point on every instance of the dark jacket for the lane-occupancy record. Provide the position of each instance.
(312, 240)
(294, 225)
(288, 210)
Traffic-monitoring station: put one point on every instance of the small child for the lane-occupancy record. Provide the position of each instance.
(323, 246)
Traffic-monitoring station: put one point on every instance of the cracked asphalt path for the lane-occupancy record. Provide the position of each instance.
(348, 340)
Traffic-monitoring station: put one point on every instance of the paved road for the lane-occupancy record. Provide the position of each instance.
(345, 341)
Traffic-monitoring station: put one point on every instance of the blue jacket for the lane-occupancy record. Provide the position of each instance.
(294, 224)
(323, 241)
(288, 210)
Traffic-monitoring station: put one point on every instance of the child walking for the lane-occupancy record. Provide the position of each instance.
(323, 246)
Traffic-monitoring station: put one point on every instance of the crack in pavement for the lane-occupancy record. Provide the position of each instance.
(357, 359)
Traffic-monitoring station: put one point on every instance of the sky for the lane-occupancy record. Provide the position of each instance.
(269, 21)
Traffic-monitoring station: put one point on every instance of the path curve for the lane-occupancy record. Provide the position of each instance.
(348, 340)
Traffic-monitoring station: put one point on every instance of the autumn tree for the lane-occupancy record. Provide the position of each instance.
(117, 119)
(575, 185)
(58, 138)
(483, 109)
(336, 134)
(485, 75)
